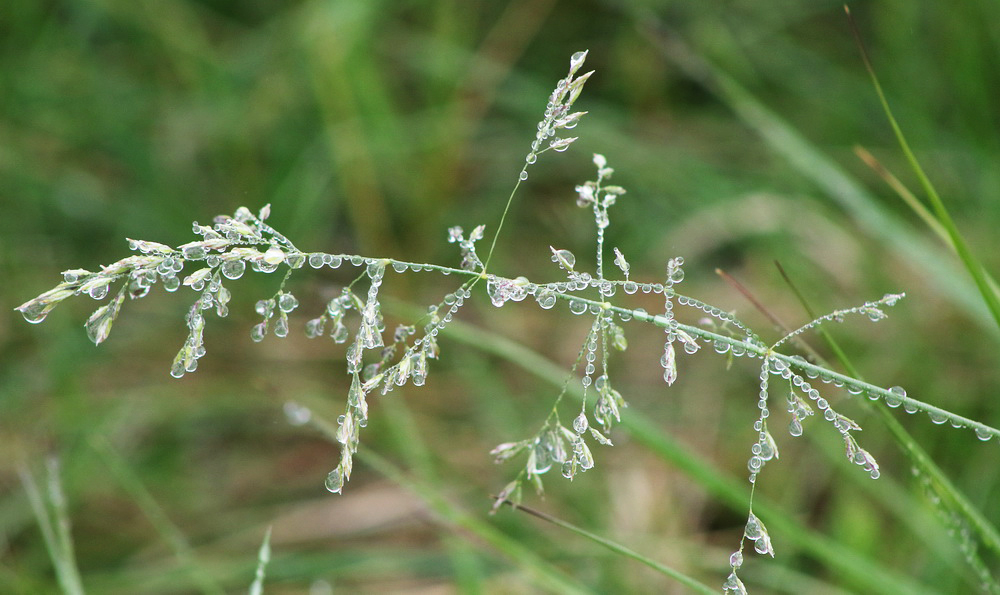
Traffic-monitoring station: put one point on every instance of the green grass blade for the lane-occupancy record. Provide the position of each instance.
(687, 581)
(53, 521)
(918, 207)
(263, 558)
(972, 264)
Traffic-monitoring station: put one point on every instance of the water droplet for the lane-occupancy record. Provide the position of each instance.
(264, 267)
(523, 176)
(332, 261)
(753, 530)
(335, 481)
(983, 434)
(233, 269)
(257, 332)
(281, 326)
(763, 546)
(171, 283)
(194, 252)
(546, 298)
(35, 311)
(264, 307)
(99, 291)
(580, 423)
(287, 302)
(577, 307)
(564, 258)
(736, 559)
(895, 396)
(874, 314)
(177, 370)
(314, 328)
(734, 585)
(72, 276)
(569, 469)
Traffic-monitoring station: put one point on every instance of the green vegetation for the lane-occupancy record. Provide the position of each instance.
(376, 130)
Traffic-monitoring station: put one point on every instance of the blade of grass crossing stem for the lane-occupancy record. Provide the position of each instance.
(951, 501)
(617, 548)
(972, 264)
(863, 573)
(53, 521)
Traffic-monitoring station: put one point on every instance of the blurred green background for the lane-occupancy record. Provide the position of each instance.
(372, 127)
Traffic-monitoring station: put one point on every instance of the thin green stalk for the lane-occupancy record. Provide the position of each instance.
(263, 558)
(916, 206)
(53, 521)
(972, 264)
(983, 432)
(620, 549)
(503, 217)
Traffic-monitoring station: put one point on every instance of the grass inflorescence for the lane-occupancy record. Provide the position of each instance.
(379, 360)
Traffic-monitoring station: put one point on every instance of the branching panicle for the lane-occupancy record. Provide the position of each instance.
(377, 363)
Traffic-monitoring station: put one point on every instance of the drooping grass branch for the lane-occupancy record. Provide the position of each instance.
(378, 361)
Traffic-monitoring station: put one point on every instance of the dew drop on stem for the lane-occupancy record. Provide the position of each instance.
(335, 481)
(99, 292)
(35, 311)
(233, 269)
(895, 396)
